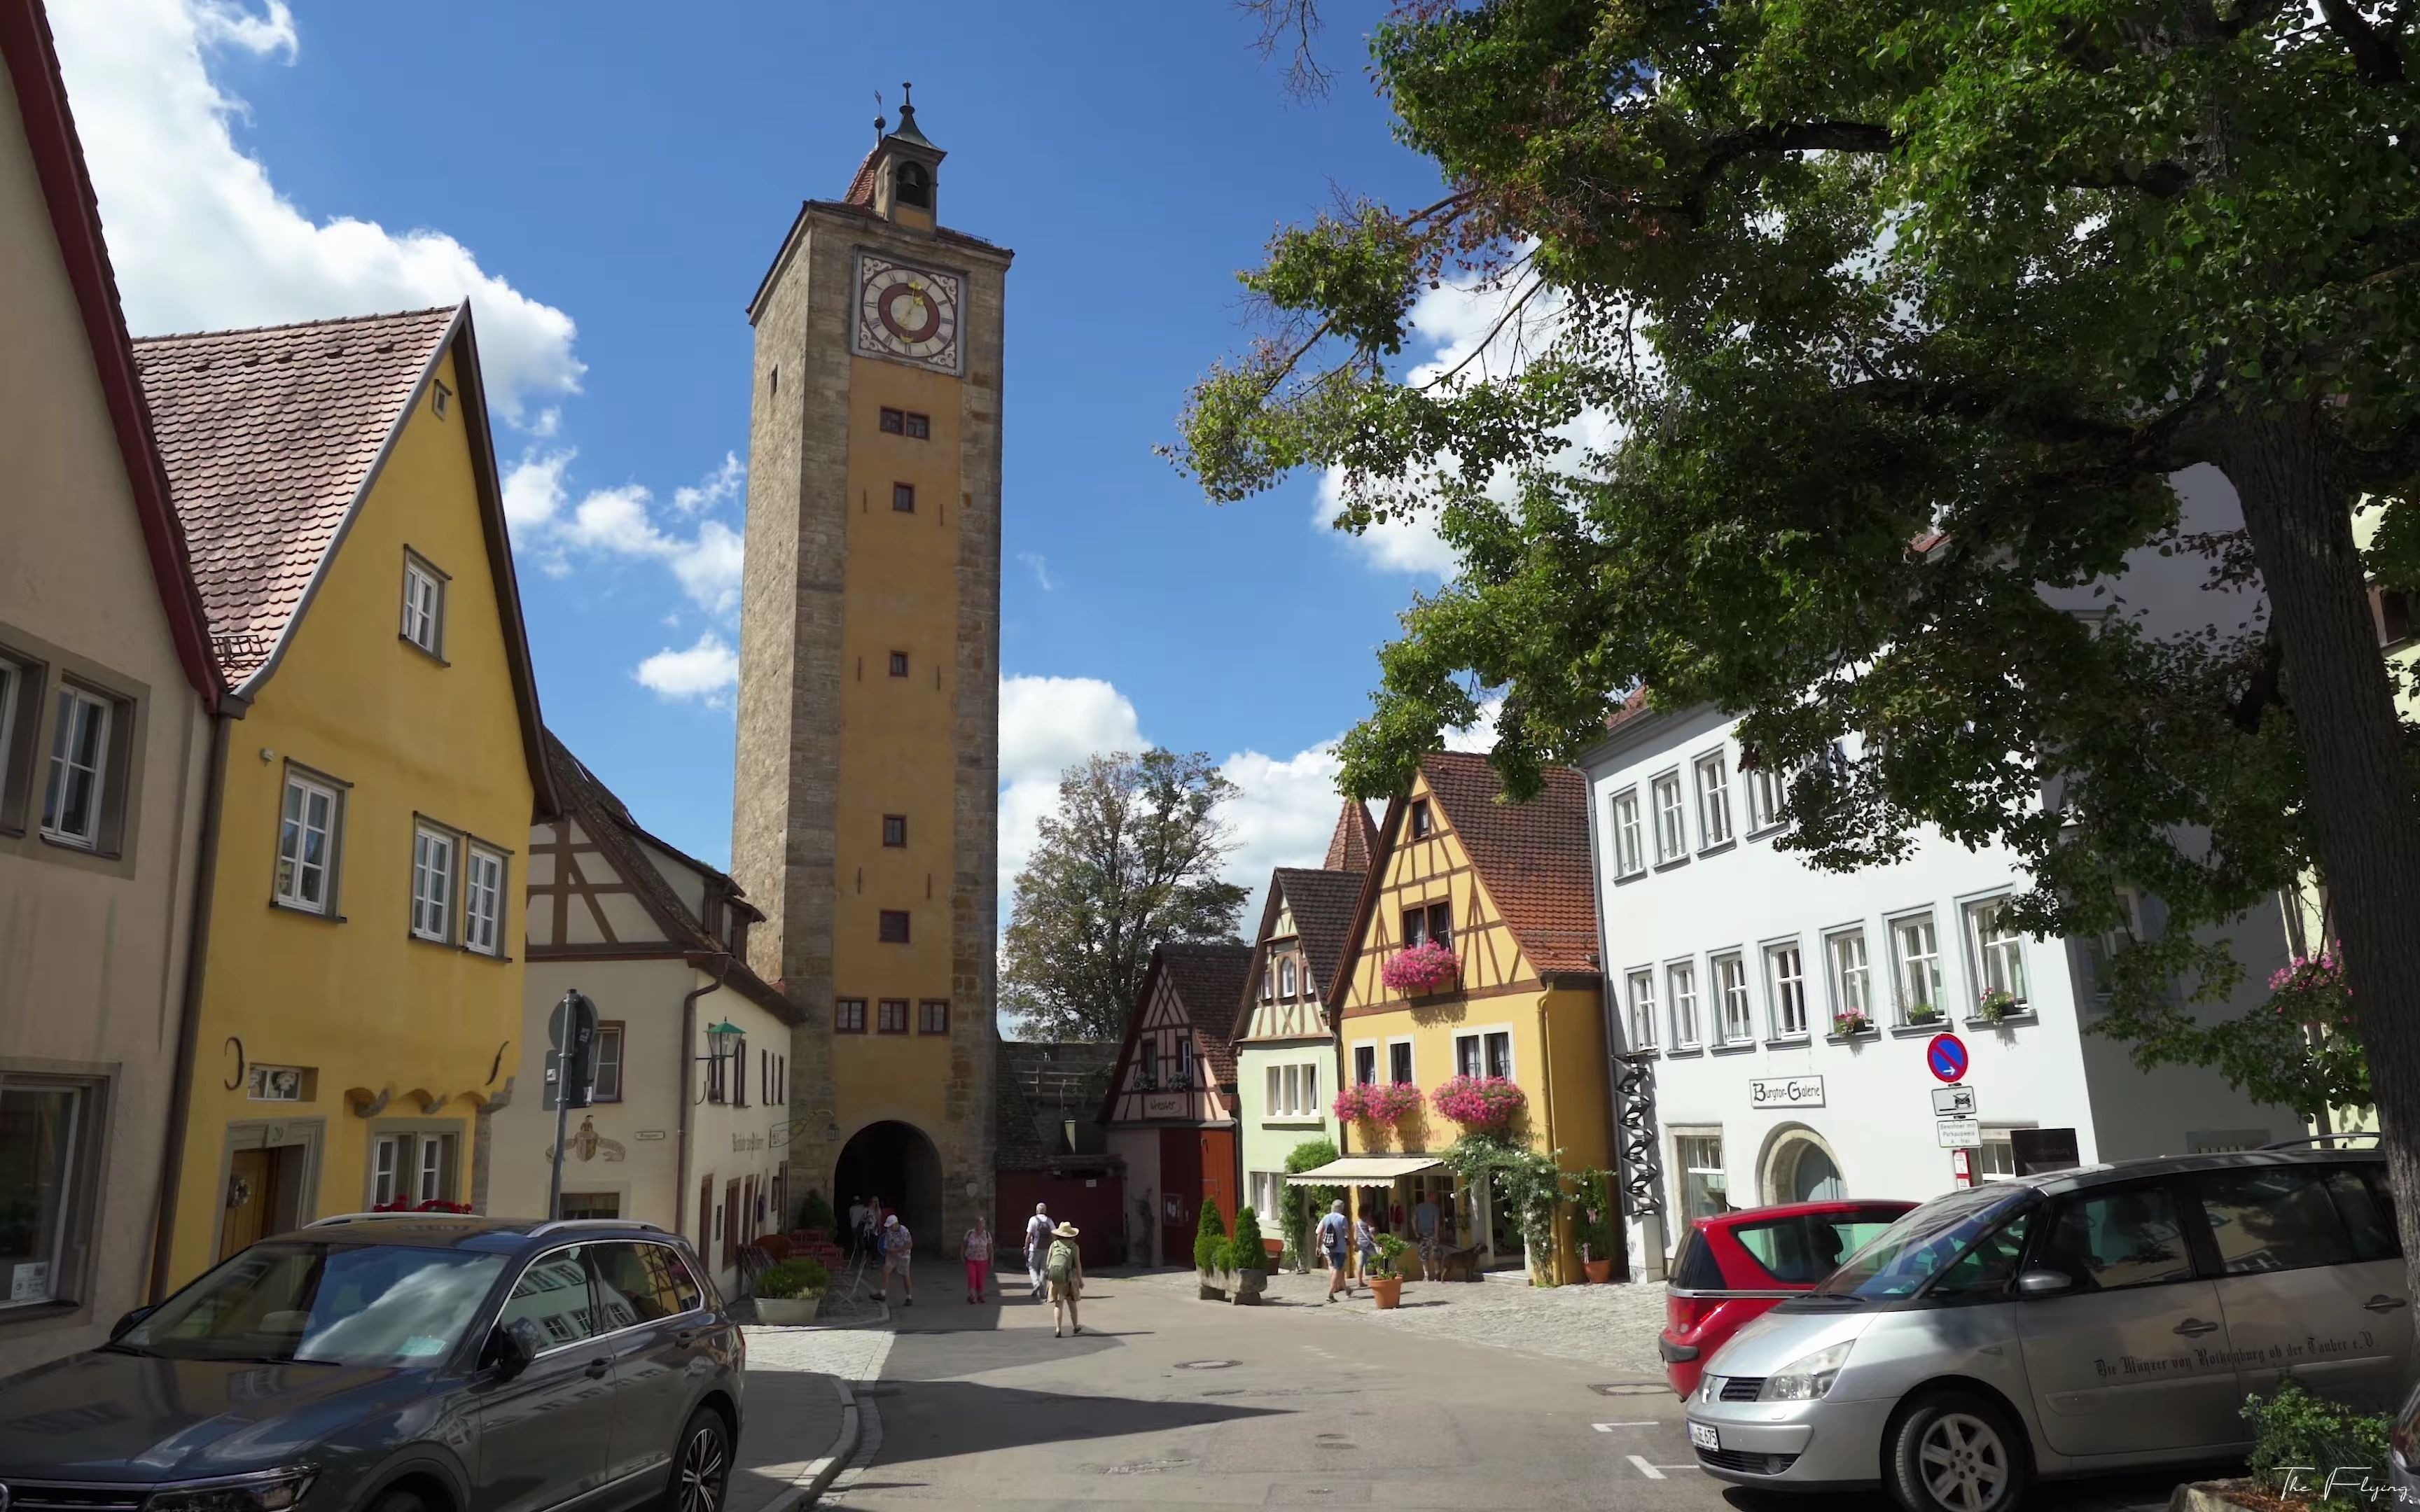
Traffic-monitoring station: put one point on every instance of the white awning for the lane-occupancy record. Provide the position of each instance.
(1366, 1170)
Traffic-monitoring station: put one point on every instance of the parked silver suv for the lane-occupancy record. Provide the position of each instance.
(2057, 1325)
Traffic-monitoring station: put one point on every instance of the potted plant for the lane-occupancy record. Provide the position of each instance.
(1390, 1104)
(1426, 968)
(790, 1292)
(1488, 1105)
(1251, 1258)
(1924, 1013)
(1385, 1281)
(1209, 1241)
(1851, 1022)
(1596, 1225)
(1995, 1005)
(1353, 1102)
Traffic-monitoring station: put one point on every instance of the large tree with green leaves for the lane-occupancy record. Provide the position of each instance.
(1129, 859)
(1905, 313)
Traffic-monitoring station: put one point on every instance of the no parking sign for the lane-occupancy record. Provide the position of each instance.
(1945, 1058)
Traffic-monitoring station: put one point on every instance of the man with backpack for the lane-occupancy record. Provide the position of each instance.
(1335, 1242)
(1065, 1267)
(1037, 1248)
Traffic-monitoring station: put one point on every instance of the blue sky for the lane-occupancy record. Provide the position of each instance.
(608, 181)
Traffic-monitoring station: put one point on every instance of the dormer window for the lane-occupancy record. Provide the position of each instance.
(912, 183)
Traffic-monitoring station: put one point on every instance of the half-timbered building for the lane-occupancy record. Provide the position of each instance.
(1501, 893)
(1286, 1056)
(690, 1126)
(1172, 1105)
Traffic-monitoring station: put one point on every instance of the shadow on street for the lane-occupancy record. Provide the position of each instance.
(931, 1419)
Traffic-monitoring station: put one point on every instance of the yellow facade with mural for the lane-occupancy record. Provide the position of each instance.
(361, 992)
(1528, 1005)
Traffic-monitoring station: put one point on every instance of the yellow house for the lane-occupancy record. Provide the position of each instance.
(1506, 888)
(359, 998)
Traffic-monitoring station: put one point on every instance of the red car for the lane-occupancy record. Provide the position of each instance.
(1735, 1266)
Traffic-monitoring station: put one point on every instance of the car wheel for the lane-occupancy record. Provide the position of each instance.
(400, 1500)
(1956, 1452)
(701, 1464)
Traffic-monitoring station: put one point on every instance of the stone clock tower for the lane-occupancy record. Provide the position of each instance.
(866, 808)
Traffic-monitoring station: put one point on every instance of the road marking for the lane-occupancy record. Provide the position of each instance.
(1639, 1463)
(1608, 1427)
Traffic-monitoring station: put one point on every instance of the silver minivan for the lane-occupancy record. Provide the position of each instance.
(2066, 1324)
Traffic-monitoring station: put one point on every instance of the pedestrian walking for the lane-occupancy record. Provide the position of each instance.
(856, 1223)
(1334, 1232)
(898, 1253)
(869, 1232)
(975, 1249)
(1066, 1268)
(1037, 1248)
(1425, 1227)
(1365, 1246)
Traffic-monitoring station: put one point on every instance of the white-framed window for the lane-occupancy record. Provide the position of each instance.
(432, 884)
(1629, 844)
(1851, 979)
(2096, 953)
(1285, 977)
(411, 1169)
(390, 1155)
(1730, 983)
(306, 845)
(605, 1064)
(1682, 979)
(423, 606)
(1643, 1010)
(1704, 1187)
(1294, 1090)
(72, 802)
(1309, 988)
(1713, 800)
(483, 901)
(46, 1183)
(1995, 1158)
(1399, 1062)
(1365, 1065)
(436, 1167)
(1999, 950)
(1767, 790)
(1268, 980)
(1671, 819)
(1484, 1053)
(1915, 952)
(1785, 973)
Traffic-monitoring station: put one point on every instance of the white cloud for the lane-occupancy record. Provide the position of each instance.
(533, 492)
(202, 240)
(1041, 567)
(1283, 816)
(705, 673)
(621, 523)
(720, 487)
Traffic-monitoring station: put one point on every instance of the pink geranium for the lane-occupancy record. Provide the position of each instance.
(1390, 1104)
(1481, 1101)
(1352, 1102)
(1426, 968)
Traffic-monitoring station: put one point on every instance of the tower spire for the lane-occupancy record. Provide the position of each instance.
(908, 131)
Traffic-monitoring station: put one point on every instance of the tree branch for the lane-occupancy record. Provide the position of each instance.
(2375, 56)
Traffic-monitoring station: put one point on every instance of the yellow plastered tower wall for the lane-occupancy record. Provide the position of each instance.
(867, 785)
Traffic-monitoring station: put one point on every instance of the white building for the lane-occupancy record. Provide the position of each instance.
(689, 1128)
(1730, 962)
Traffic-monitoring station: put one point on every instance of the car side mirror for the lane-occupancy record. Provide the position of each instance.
(507, 1352)
(2044, 1283)
(126, 1324)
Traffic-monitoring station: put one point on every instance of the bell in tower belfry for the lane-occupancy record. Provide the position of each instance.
(866, 810)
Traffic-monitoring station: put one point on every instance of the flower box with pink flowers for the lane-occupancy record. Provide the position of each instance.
(1425, 968)
(1377, 1102)
(1491, 1102)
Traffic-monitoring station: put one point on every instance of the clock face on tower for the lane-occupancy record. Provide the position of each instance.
(909, 314)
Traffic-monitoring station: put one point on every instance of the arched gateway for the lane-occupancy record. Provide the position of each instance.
(895, 1161)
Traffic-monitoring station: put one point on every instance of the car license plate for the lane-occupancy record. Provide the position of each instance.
(1703, 1436)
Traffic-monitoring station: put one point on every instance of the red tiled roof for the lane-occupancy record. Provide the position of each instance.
(269, 436)
(1356, 837)
(1323, 903)
(1532, 857)
(1209, 981)
(1632, 707)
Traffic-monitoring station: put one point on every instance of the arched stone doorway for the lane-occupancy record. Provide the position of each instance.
(895, 1161)
(1800, 1167)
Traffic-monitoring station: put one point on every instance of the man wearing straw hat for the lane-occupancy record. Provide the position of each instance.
(1067, 1271)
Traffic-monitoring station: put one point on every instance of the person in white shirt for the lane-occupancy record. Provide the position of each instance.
(1037, 1247)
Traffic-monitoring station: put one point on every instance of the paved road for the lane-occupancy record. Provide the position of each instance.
(1179, 1404)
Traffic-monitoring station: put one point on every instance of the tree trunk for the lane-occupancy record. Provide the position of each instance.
(2359, 797)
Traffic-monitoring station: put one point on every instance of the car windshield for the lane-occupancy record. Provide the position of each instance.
(1923, 1243)
(356, 1305)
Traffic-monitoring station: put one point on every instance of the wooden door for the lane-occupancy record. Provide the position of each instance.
(251, 1187)
(706, 1216)
(731, 1223)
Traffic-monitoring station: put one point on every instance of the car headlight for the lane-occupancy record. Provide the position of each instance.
(1808, 1378)
(271, 1490)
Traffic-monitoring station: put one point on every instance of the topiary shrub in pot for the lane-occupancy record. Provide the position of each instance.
(1386, 1280)
(791, 1291)
(1251, 1258)
(1209, 1238)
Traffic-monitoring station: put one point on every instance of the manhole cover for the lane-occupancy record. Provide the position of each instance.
(1205, 1364)
(1631, 1388)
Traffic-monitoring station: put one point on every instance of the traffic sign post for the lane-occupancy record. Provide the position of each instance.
(1956, 1101)
(1945, 1058)
(1958, 1133)
(572, 1031)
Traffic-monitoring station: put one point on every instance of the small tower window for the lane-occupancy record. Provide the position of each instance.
(902, 498)
(912, 183)
(899, 664)
(441, 399)
(894, 829)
